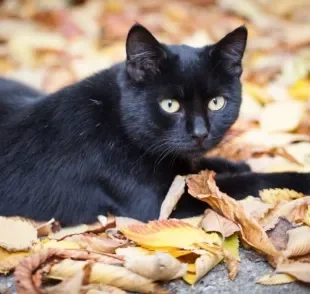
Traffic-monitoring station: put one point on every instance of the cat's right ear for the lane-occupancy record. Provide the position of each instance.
(144, 54)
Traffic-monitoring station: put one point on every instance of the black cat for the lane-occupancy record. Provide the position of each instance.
(113, 142)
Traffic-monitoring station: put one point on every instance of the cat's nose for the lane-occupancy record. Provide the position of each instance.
(200, 132)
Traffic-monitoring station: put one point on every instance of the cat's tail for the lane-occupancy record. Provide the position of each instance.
(242, 185)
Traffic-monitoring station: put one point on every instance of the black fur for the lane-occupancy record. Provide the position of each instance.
(104, 144)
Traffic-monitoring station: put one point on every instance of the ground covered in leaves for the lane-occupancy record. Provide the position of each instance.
(50, 44)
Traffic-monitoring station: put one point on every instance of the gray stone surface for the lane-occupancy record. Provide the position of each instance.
(252, 267)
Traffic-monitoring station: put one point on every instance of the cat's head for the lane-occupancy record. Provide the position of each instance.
(179, 99)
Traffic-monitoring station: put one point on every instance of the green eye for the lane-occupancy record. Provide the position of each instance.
(170, 105)
(217, 103)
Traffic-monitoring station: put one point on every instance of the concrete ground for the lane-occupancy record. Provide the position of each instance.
(252, 267)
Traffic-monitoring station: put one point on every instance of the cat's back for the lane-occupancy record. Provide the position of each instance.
(14, 95)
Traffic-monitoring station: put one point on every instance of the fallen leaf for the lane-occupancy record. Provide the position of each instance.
(9, 260)
(111, 275)
(102, 289)
(203, 187)
(194, 221)
(96, 243)
(232, 264)
(203, 265)
(213, 222)
(274, 117)
(231, 244)
(174, 194)
(299, 270)
(298, 242)
(165, 233)
(132, 251)
(307, 216)
(158, 267)
(17, 234)
(278, 235)
(276, 279)
(274, 196)
(254, 207)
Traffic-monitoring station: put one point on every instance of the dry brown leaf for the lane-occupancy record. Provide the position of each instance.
(307, 216)
(213, 222)
(232, 264)
(101, 289)
(158, 267)
(254, 207)
(132, 251)
(274, 196)
(298, 242)
(299, 270)
(122, 222)
(17, 234)
(72, 285)
(96, 243)
(112, 275)
(203, 187)
(276, 279)
(203, 265)
(174, 194)
(278, 235)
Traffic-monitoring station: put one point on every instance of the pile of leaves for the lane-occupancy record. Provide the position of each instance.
(119, 254)
(50, 44)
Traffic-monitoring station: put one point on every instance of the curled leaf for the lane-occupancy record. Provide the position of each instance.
(9, 260)
(203, 265)
(101, 273)
(174, 194)
(17, 234)
(158, 267)
(203, 187)
(232, 264)
(307, 216)
(298, 242)
(255, 207)
(276, 279)
(213, 222)
(299, 270)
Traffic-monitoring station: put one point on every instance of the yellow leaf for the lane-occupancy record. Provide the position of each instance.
(203, 187)
(307, 216)
(17, 234)
(101, 273)
(174, 194)
(9, 260)
(276, 279)
(300, 90)
(231, 244)
(298, 242)
(257, 92)
(158, 267)
(274, 196)
(56, 244)
(203, 265)
(165, 233)
(299, 270)
(282, 116)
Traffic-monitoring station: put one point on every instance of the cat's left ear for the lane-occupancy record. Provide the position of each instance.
(230, 50)
(145, 54)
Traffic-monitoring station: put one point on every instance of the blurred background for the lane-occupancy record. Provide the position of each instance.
(51, 43)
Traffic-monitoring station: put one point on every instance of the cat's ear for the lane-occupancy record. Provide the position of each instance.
(230, 50)
(144, 54)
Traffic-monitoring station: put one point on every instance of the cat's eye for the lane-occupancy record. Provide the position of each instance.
(170, 105)
(217, 103)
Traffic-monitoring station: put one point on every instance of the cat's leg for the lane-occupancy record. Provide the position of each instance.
(221, 165)
(241, 185)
